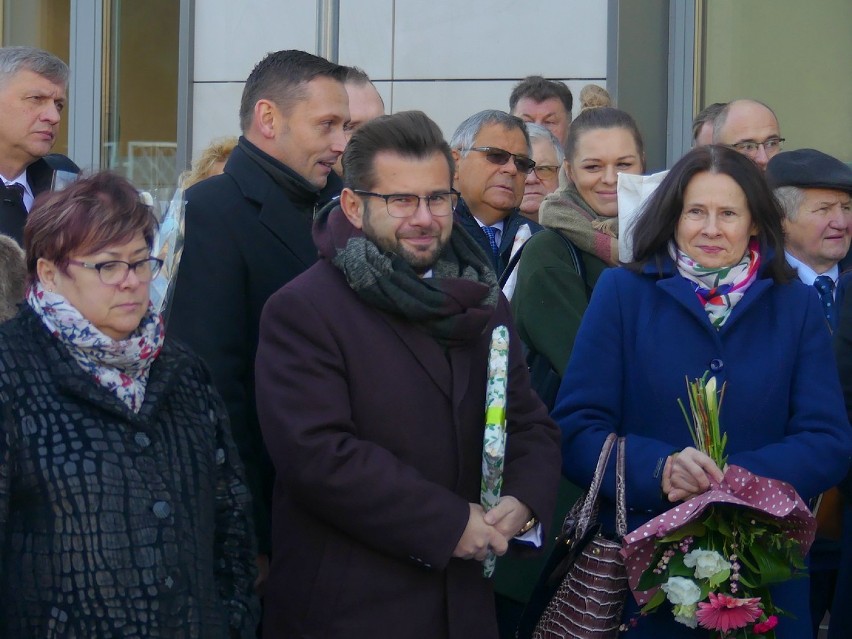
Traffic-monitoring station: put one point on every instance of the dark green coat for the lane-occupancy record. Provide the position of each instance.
(550, 297)
(549, 301)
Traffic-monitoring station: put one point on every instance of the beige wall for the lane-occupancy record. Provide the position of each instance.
(792, 55)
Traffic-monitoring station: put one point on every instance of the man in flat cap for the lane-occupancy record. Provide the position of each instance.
(814, 189)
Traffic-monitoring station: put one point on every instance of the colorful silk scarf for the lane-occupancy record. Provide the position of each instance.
(719, 289)
(121, 367)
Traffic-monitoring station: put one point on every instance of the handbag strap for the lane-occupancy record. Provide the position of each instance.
(620, 489)
(584, 520)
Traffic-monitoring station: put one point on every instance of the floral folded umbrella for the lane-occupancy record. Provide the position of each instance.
(494, 438)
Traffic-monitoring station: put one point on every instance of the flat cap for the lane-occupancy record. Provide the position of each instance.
(809, 169)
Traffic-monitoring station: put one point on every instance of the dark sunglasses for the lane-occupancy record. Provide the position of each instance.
(500, 156)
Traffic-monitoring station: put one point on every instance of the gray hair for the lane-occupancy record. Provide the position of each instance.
(39, 61)
(465, 135)
(539, 132)
(790, 198)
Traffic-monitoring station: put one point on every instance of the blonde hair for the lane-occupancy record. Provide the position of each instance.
(219, 150)
(592, 96)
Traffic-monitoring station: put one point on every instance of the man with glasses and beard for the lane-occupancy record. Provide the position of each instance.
(371, 377)
(493, 158)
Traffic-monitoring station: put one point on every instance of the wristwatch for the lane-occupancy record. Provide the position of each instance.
(527, 526)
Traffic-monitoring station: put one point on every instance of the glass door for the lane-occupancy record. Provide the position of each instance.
(140, 91)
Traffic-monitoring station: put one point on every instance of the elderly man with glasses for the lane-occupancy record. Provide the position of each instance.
(371, 377)
(544, 178)
(751, 128)
(493, 158)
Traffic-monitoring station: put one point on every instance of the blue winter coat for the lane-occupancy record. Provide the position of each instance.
(641, 336)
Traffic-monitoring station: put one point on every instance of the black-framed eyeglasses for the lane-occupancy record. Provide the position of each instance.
(545, 171)
(496, 155)
(403, 205)
(750, 147)
(114, 272)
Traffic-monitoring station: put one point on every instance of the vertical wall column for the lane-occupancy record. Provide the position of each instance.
(85, 95)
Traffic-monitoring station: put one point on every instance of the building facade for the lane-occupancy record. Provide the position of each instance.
(153, 81)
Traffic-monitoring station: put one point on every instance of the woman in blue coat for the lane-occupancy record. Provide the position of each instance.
(708, 290)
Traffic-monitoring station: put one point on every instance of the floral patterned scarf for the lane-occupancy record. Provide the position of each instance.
(719, 289)
(121, 367)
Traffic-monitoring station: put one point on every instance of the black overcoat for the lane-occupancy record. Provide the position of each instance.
(245, 239)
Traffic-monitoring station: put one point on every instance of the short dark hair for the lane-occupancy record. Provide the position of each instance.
(540, 89)
(281, 78)
(410, 134)
(39, 61)
(658, 221)
(357, 76)
(90, 214)
(603, 118)
(707, 114)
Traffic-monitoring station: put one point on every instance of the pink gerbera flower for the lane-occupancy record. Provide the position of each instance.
(725, 613)
(765, 626)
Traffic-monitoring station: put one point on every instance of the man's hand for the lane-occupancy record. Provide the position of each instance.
(687, 474)
(508, 516)
(479, 537)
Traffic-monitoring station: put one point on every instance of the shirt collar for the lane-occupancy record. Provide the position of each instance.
(19, 179)
(807, 274)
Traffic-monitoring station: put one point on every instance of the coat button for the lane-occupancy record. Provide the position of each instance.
(142, 440)
(716, 365)
(161, 509)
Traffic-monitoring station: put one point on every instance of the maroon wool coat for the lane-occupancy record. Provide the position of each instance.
(376, 432)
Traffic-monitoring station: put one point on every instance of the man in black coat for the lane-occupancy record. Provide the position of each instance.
(493, 157)
(33, 86)
(248, 232)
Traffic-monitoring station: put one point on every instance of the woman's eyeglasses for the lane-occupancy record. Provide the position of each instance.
(115, 272)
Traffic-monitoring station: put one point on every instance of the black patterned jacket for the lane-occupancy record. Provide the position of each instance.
(112, 523)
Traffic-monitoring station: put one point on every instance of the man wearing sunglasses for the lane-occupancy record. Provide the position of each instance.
(750, 127)
(371, 379)
(493, 158)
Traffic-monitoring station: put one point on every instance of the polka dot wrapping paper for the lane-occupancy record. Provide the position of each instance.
(739, 488)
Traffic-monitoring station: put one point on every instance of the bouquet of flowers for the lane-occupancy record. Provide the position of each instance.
(714, 557)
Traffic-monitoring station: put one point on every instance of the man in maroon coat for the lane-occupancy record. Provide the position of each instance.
(371, 376)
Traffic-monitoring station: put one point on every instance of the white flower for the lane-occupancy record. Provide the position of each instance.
(685, 614)
(681, 591)
(707, 563)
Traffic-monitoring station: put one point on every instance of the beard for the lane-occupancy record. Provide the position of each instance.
(421, 260)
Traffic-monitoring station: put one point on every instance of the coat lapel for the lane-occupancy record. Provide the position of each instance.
(682, 292)
(291, 227)
(426, 350)
(277, 214)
